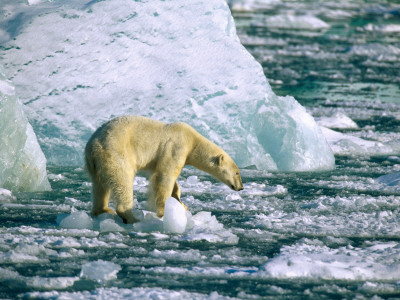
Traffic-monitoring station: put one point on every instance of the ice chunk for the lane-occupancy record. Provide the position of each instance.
(100, 270)
(22, 163)
(174, 216)
(77, 220)
(154, 59)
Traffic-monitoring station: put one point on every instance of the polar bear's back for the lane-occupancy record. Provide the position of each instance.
(138, 140)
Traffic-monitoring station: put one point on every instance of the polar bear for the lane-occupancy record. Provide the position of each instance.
(128, 144)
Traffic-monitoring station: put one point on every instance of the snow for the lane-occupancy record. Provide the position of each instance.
(22, 162)
(169, 60)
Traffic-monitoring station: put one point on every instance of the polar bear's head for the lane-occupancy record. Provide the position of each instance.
(227, 172)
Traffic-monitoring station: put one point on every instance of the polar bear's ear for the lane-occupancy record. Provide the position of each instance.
(218, 160)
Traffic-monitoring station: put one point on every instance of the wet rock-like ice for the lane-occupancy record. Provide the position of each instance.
(22, 162)
(173, 61)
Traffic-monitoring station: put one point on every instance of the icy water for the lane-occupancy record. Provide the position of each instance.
(329, 235)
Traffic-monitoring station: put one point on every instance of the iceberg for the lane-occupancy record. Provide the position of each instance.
(79, 64)
(22, 162)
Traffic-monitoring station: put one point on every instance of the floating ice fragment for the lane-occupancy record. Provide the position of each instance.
(100, 270)
(77, 220)
(174, 216)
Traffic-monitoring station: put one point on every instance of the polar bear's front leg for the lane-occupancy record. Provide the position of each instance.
(160, 188)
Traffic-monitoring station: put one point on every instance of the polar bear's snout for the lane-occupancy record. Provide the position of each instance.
(237, 185)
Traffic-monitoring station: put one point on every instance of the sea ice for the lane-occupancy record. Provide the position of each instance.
(174, 216)
(22, 162)
(100, 270)
(170, 60)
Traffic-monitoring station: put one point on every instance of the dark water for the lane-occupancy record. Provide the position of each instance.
(329, 235)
